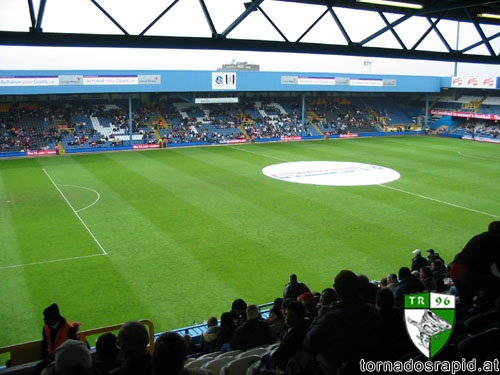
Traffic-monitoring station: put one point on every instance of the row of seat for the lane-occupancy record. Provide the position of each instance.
(236, 362)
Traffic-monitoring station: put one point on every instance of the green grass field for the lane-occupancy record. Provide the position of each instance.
(186, 231)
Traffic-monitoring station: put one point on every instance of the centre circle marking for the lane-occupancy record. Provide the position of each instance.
(331, 173)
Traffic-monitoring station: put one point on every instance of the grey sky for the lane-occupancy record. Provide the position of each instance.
(186, 19)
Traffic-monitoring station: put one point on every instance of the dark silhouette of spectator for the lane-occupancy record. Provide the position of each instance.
(427, 279)
(345, 334)
(368, 290)
(408, 284)
(418, 261)
(432, 255)
(106, 357)
(238, 311)
(209, 338)
(471, 268)
(133, 340)
(439, 273)
(392, 324)
(227, 328)
(307, 299)
(294, 289)
(295, 314)
(326, 300)
(252, 333)
(276, 322)
(170, 355)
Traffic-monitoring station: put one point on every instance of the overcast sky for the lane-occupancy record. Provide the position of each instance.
(186, 19)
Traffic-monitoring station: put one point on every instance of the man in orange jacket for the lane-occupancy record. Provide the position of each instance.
(55, 331)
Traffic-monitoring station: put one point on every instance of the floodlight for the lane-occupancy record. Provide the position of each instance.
(391, 3)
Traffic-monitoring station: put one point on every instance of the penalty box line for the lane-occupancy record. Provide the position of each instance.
(76, 213)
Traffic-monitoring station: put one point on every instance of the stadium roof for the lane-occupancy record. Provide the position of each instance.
(480, 15)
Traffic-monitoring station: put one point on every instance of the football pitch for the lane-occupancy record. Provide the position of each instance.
(176, 235)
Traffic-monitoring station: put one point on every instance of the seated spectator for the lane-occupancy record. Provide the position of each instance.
(170, 355)
(107, 351)
(252, 333)
(133, 339)
(368, 289)
(408, 284)
(392, 281)
(391, 319)
(326, 300)
(276, 322)
(418, 261)
(238, 311)
(294, 289)
(439, 273)
(292, 341)
(471, 268)
(432, 255)
(227, 328)
(307, 299)
(208, 340)
(72, 358)
(427, 279)
(343, 335)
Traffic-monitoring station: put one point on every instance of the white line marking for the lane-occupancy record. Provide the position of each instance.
(50, 261)
(86, 188)
(477, 157)
(76, 213)
(439, 201)
(256, 153)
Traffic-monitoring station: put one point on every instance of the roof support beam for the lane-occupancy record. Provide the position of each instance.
(394, 33)
(159, 17)
(208, 18)
(340, 26)
(134, 41)
(32, 15)
(41, 11)
(481, 33)
(251, 7)
(273, 24)
(109, 16)
(312, 26)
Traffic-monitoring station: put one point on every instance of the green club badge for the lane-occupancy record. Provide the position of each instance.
(429, 320)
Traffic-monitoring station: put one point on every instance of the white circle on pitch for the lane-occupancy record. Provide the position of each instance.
(333, 173)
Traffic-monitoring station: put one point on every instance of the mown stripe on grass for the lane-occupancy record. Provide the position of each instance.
(192, 240)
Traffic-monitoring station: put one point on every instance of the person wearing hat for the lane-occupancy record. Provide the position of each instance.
(55, 331)
(418, 261)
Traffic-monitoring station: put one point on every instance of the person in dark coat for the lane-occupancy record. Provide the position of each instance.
(252, 333)
(418, 261)
(345, 334)
(471, 270)
(408, 284)
(294, 289)
(432, 256)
